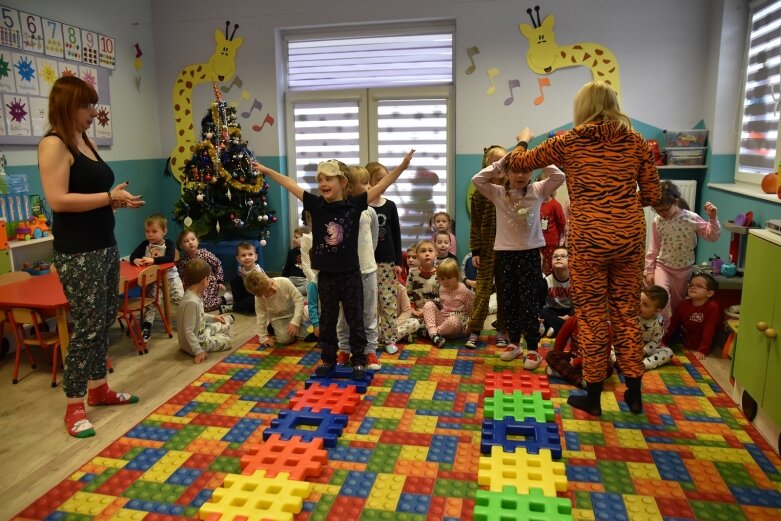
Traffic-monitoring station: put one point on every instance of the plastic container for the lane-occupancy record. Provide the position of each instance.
(686, 156)
(686, 138)
(716, 264)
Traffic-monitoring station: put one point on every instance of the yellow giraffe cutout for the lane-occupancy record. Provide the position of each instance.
(220, 67)
(545, 55)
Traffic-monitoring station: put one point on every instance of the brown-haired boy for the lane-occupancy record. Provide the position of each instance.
(653, 300)
(247, 259)
(697, 317)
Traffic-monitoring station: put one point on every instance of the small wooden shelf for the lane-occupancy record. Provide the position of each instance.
(22, 244)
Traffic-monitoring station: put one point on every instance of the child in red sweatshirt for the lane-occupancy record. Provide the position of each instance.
(697, 317)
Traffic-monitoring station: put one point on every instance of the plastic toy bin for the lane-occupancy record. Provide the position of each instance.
(686, 138)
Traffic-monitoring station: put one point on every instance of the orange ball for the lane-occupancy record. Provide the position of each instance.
(770, 183)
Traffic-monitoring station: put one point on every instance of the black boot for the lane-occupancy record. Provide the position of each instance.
(633, 396)
(589, 403)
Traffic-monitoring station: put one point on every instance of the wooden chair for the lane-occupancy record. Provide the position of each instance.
(150, 282)
(8, 278)
(38, 337)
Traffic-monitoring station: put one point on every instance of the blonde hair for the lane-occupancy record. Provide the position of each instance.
(421, 243)
(597, 102)
(493, 151)
(301, 230)
(413, 247)
(448, 269)
(194, 272)
(257, 283)
(158, 219)
(356, 174)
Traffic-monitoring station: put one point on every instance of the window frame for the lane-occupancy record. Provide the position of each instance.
(368, 128)
(742, 175)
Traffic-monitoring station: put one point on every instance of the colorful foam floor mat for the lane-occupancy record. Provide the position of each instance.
(410, 448)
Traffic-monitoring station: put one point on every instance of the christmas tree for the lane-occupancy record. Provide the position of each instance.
(222, 196)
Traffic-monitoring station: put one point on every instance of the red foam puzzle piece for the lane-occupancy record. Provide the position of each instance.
(509, 381)
(340, 400)
(294, 456)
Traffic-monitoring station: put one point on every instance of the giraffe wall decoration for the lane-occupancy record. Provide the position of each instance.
(545, 55)
(220, 68)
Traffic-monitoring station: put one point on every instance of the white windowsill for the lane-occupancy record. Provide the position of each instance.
(749, 190)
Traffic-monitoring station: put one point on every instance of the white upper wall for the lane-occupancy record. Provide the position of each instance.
(135, 116)
(664, 49)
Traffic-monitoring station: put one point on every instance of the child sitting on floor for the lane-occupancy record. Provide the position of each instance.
(696, 318)
(247, 259)
(422, 284)
(456, 303)
(200, 333)
(279, 303)
(652, 301)
(407, 326)
(568, 364)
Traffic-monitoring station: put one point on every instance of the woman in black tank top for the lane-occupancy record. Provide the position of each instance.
(78, 186)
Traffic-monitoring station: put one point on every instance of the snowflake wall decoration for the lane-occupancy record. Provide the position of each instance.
(17, 110)
(5, 68)
(103, 117)
(25, 69)
(89, 77)
(48, 74)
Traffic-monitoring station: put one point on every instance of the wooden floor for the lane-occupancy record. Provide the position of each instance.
(37, 453)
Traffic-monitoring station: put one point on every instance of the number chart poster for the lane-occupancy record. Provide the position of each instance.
(34, 52)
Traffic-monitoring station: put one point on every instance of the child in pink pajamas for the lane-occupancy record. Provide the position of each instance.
(456, 305)
(674, 233)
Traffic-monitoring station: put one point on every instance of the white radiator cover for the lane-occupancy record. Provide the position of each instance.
(688, 190)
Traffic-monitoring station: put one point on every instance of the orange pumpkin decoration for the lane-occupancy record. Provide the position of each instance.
(770, 183)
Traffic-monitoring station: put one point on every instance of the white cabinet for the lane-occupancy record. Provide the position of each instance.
(30, 251)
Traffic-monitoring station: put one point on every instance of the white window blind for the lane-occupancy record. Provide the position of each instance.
(760, 121)
(369, 61)
(331, 130)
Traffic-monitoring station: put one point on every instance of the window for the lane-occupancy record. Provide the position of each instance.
(762, 93)
(393, 93)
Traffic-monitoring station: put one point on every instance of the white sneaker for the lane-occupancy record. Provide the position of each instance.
(501, 341)
(550, 333)
(229, 319)
(511, 352)
(438, 340)
(228, 296)
(552, 372)
(533, 361)
(471, 342)
(391, 349)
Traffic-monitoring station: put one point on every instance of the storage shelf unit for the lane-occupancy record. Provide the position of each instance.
(30, 251)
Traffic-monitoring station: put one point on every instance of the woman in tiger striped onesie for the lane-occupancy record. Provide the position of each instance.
(605, 160)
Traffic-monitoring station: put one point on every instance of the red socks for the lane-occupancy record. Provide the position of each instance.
(76, 421)
(102, 395)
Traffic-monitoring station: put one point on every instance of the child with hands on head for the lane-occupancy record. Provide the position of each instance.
(518, 242)
(188, 243)
(335, 225)
(455, 300)
(278, 303)
(674, 233)
(156, 249)
(441, 222)
(697, 318)
(200, 333)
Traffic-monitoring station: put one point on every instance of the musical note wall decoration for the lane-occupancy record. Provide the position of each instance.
(512, 84)
(492, 73)
(268, 119)
(255, 105)
(471, 53)
(543, 82)
(236, 81)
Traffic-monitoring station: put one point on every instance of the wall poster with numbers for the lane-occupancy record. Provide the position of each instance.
(34, 52)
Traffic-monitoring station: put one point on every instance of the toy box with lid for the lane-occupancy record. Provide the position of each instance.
(696, 138)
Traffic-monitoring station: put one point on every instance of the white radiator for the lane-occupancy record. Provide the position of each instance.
(688, 190)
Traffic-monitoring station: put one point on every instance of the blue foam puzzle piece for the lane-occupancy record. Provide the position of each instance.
(328, 427)
(537, 436)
